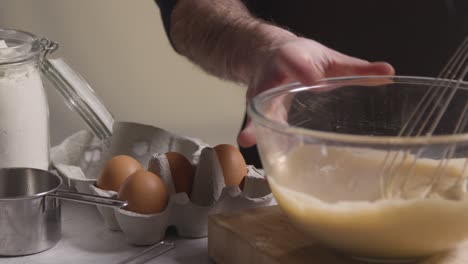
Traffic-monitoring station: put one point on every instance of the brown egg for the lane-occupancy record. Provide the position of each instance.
(232, 163)
(115, 171)
(144, 192)
(182, 172)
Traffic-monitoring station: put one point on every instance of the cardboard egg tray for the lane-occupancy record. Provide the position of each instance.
(80, 158)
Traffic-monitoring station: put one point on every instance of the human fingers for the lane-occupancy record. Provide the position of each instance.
(246, 137)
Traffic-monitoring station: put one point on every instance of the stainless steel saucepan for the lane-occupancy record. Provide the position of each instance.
(30, 214)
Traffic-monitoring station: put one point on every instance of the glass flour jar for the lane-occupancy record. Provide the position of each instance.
(24, 112)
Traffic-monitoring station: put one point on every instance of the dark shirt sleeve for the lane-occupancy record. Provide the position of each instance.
(166, 7)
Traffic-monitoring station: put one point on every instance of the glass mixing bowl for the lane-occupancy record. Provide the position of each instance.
(344, 173)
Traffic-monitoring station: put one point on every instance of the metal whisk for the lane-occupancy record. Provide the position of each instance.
(423, 121)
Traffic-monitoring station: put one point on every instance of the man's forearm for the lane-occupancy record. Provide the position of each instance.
(222, 37)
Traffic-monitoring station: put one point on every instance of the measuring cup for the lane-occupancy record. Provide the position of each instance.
(30, 210)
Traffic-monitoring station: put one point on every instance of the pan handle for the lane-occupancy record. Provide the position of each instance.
(88, 199)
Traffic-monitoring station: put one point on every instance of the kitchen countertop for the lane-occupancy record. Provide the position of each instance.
(85, 239)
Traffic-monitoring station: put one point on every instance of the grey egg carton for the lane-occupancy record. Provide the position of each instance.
(79, 160)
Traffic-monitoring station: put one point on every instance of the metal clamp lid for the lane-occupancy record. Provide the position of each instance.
(77, 93)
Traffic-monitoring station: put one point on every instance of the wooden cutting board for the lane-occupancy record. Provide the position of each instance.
(265, 236)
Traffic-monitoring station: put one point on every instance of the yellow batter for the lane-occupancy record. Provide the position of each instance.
(335, 195)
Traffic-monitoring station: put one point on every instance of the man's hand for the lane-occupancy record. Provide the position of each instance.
(224, 39)
(306, 61)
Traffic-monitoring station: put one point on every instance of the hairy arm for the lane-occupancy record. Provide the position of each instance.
(223, 37)
(226, 40)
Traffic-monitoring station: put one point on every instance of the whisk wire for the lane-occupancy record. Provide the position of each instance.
(444, 74)
(437, 92)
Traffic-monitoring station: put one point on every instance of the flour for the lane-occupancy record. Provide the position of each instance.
(24, 127)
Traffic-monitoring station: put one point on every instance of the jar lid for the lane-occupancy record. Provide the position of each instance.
(18, 46)
(79, 96)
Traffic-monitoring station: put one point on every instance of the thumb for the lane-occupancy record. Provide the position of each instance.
(349, 66)
(246, 137)
(331, 64)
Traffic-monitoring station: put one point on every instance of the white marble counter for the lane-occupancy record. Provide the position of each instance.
(85, 239)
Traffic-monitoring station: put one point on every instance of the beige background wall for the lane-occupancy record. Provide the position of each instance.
(120, 47)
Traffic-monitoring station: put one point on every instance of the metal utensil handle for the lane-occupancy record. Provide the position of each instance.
(150, 253)
(88, 199)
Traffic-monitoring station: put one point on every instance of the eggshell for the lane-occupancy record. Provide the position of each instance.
(115, 171)
(189, 215)
(232, 163)
(182, 172)
(145, 193)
